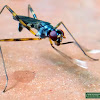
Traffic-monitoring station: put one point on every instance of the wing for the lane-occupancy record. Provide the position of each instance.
(29, 20)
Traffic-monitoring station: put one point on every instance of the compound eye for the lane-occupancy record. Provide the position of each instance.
(60, 32)
(53, 35)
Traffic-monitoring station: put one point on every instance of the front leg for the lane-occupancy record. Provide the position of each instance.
(74, 39)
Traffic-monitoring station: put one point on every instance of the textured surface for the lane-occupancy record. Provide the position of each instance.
(35, 70)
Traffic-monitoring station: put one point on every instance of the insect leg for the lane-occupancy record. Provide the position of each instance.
(80, 63)
(20, 39)
(31, 10)
(74, 40)
(13, 13)
(66, 43)
(67, 57)
(17, 18)
(4, 69)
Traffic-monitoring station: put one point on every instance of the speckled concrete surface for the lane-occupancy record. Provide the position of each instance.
(35, 70)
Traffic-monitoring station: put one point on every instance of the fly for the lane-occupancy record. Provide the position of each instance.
(45, 30)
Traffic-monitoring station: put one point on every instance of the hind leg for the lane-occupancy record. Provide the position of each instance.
(31, 10)
(15, 16)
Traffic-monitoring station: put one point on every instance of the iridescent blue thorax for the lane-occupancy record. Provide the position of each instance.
(43, 29)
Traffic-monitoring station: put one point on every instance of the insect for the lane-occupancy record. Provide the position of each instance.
(45, 30)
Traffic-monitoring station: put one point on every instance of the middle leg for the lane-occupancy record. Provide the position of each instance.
(20, 39)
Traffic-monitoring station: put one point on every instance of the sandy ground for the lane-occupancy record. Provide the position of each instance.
(35, 70)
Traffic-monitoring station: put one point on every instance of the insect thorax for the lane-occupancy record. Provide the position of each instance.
(43, 29)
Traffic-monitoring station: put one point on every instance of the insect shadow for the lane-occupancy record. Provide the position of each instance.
(21, 77)
(86, 78)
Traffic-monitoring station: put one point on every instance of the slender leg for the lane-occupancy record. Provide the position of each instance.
(50, 41)
(20, 39)
(31, 10)
(74, 40)
(17, 18)
(66, 43)
(78, 62)
(4, 69)
(64, 55)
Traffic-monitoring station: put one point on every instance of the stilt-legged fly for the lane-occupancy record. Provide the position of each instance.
(45, 30)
